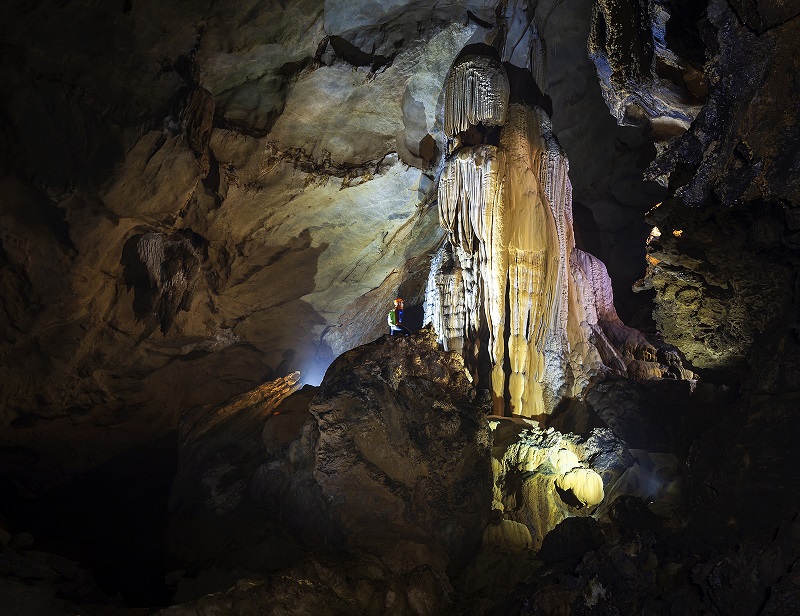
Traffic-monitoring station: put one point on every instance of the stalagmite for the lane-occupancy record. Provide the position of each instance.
(538, 59)
(471, 190)
(476, 93)
(533, 265)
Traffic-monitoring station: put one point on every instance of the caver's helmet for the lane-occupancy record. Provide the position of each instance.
(398, 301)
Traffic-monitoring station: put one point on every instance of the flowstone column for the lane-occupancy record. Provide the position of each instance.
(509, 278)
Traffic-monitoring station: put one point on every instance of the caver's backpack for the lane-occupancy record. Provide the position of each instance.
(392, 317)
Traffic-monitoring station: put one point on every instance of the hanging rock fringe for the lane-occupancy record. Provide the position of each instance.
(151, 252)
(538, 59)
(476, 92)
(444, 299)
(470, 181)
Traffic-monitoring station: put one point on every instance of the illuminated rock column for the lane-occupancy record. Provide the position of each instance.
(533, 262)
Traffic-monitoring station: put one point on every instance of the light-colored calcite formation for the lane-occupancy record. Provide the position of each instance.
(509, 275)
(585, 485)
(509, 535)
(476, 93)
(541, 477)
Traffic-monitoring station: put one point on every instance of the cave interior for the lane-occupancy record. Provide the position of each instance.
(592, 211)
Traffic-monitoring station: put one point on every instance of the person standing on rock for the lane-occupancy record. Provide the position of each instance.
(395, 319)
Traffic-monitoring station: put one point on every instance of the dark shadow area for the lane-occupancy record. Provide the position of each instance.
(351, 54)
(412, 317)
(569, 498)
(477, 49)
(573, 415)
(112, 520)
(525, 90)
(587, 233)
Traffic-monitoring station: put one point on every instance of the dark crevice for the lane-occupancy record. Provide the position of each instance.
(351, 54)
(475, 19)
(112, 520)
(477, 49)
(243, 129)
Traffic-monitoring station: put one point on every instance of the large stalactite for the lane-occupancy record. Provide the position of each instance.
(509, 276)
(476, 92)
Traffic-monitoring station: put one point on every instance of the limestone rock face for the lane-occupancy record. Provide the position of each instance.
(644, 81)
(395, 462)
(729, 154)
(744, 145)
(382, 478)
(713, 307)
(197, 197)
(294, 146)
(151, 129)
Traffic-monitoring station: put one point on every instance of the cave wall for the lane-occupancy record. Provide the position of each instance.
(198, 197)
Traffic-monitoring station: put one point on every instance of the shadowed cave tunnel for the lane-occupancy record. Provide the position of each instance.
(198, 200)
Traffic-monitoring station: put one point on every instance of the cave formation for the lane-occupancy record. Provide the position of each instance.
(510, 260)
(590, 208)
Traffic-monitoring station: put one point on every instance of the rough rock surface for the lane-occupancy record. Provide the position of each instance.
(715, 308)
(369, 493)
(212, 516)
(639, 566)
(173, 125)
(723, 267)
(645, 82)
(300, 140)
(327, 588)
(36, 582)
(395, 462)
(743, 147)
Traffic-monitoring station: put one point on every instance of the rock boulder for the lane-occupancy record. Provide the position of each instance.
(394, 462)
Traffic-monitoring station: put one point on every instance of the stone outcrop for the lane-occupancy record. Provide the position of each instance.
(212, 517)
(390, 472)
(394, 464)
(711, 306)
(384, 472)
